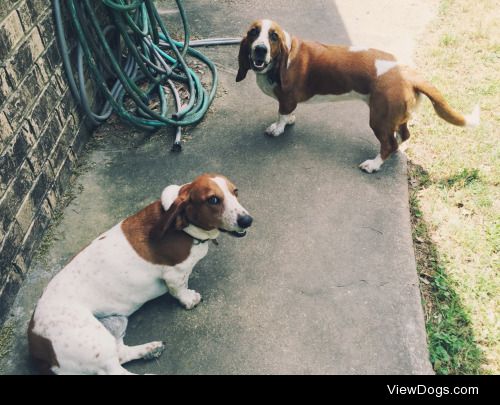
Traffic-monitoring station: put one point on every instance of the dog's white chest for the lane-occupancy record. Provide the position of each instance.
(197, 253)
(265, 86)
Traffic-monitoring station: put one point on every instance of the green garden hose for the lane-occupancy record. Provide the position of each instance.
(132, 60)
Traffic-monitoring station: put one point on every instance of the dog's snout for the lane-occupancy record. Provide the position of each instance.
(260, 50)
(244, 221)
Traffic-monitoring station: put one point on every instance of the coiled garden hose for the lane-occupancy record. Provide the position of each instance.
(132, 60)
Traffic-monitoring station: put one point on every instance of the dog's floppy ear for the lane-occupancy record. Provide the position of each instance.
(284, 54)
(174, 216)
(243, 60)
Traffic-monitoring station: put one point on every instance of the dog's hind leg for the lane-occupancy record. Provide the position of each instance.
(117, 325)
(402, 134)
(388, 145)
(146, 351)
(383, 122)
(83, 345)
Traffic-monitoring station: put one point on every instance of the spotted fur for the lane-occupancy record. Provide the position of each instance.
(79, 322)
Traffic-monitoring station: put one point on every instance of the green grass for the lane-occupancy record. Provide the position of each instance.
(452, 347)
(6, 336)
(462, 179)
(454, 187)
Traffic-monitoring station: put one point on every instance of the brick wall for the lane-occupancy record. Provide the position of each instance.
(41, 135)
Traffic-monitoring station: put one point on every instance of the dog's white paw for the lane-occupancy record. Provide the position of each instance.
(154, 350)
(190, 298)
(275, 129)
(371, 165)
(290, 120)
(278, 127)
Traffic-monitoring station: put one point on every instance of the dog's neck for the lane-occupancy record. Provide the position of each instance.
(273, 74)
(201, 235)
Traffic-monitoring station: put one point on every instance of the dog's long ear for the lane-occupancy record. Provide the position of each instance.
(283, 63)
(174, 216)
(243, 60)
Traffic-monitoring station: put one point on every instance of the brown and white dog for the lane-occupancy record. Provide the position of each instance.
(79, 322)
(292, 71)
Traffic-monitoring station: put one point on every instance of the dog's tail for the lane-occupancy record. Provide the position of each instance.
(443, 109)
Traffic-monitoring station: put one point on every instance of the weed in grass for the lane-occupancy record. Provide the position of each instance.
(462, 179)
(448, 40)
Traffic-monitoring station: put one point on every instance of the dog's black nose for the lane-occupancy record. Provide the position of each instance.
(244, 221)
(260, 50)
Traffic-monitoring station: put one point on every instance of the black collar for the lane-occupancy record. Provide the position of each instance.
(197, 241)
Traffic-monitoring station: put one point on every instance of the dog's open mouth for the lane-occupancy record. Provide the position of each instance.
(236, 234)
(259, 65)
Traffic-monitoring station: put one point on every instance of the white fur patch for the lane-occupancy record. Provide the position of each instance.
(266, 87)
(356, 48)
(383, 66)
(169, 195)
(232, 207)
(372, 165)
(278, 127)
(473, 119)
(263, 38)
(288, 40)
(177, 277)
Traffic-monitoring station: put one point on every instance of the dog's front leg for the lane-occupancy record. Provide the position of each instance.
(285, 118)
(177, 283)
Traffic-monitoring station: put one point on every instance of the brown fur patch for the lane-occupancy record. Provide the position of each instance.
(170, 248)
(41, 350)
(157, 236)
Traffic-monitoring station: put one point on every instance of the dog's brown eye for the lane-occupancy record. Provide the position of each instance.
(274, 36)
(235, 192)
(213, 200)
(253, 32)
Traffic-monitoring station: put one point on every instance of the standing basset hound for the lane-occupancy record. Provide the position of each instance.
(292, 71)
(79, 322)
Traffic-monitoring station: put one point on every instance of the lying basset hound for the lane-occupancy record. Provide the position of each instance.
(79, 322)
(292, 71)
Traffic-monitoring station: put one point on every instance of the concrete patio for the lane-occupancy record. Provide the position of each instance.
(325, 281)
